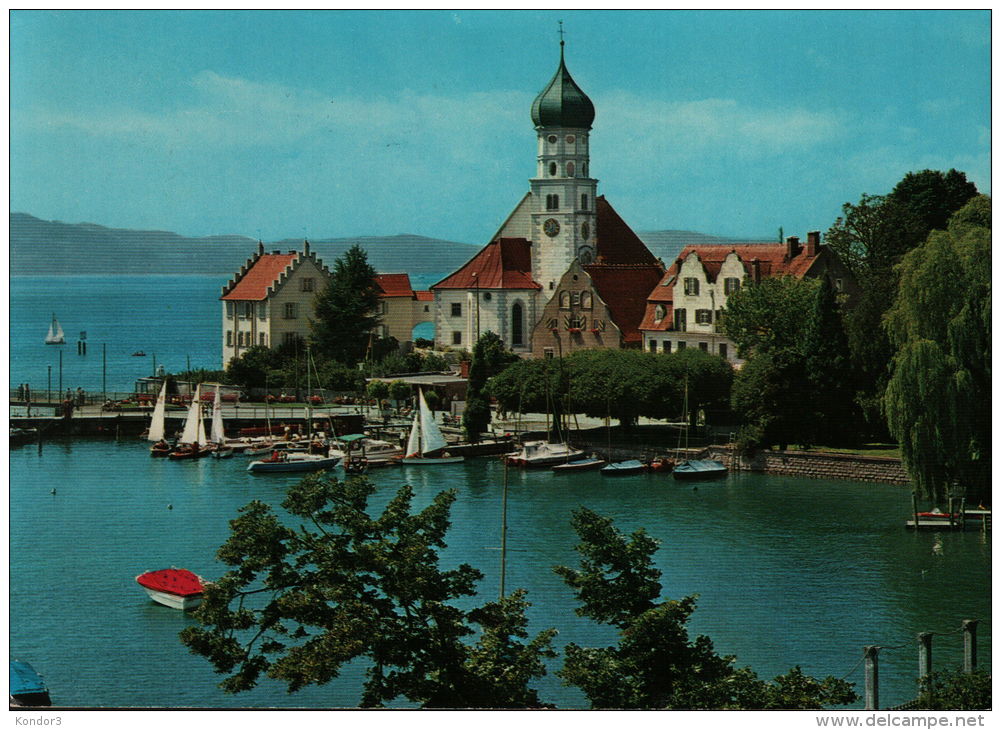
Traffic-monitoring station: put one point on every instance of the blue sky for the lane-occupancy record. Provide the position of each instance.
(280, 124)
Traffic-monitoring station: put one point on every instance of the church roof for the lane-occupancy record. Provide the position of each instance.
(562, 103)
(624, 287)
(394, 285)
(254, 283)
(504, 263)
(616, 242)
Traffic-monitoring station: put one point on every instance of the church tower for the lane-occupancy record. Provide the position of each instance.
(563, 191)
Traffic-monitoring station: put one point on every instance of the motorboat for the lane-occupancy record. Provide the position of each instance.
(27, 688)
(173, 587)
(623, 468)
(223, 453)
(543, 453)
(374, 449)
(591, 463)
(283, 461)
(694, 469)
(426, 445)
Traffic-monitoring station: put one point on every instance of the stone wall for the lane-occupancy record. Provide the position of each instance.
(819, 465)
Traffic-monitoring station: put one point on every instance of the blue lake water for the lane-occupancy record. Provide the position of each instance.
(789, 571)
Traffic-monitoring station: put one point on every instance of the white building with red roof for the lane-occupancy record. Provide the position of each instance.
(684, 309)
(270, 300)
(401, 307)
(559, 223)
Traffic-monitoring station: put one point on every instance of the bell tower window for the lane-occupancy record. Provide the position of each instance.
(583, 203)
(552, 169)
(552, 202)
(570, 169)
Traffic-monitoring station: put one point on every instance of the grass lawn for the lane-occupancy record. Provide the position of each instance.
(890, 450)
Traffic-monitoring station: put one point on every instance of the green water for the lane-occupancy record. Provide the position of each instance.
(788, 571)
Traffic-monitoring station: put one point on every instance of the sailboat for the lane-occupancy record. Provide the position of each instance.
(156, 427)
(218, 436)
(426, 444)
(694, 469)
(55, 336)
(192, 442)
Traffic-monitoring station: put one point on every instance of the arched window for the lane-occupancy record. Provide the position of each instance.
(552, 169)
(585, 300)
(564, 300)
(658, 313)
(517, 324)
(570, 169)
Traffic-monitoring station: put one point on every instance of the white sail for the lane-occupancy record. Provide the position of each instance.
(55, 336)
(156, 427)
(431, 438)
(218, 434)
(202, 438)
(194, 421)
(414, 442)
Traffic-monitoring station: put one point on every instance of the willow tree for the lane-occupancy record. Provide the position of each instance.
(938, 399)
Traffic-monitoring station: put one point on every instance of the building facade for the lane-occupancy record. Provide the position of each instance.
(684, 309)
(401, 308)
(559, 224)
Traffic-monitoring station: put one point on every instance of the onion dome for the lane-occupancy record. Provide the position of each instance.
(562, 103)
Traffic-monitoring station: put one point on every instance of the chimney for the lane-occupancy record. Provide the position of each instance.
(756, 271)
(792, 246)
(260, 248)
(812, 243)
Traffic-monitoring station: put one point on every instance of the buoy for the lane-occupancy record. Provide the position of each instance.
(170, 506)
(53, 491)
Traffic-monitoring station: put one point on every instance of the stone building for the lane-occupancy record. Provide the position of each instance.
(684, 309)
(560, 223)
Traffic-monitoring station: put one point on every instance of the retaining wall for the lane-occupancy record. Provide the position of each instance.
(818, 465)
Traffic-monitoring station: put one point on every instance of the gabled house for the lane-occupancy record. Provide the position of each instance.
(684, 309)
(401, 308)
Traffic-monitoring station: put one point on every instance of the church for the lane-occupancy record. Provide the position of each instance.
(564, 272)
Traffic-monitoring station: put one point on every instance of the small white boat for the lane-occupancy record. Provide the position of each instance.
(426, 445)
(373, 449)
(282, 461)
(543, 453)
(55, 336)
(173, 587)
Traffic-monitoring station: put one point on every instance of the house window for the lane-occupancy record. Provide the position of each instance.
(564, 300)
(456, 309)
(456, 338)
(517, 324)
(722, 350)
(307, 284)
(291, 310)
(703, 316)
(229, 338)
(547, 352)
(653, 345)
(427, 308)
(262, 310)
(667, 346)
(576, 321)
(691, 287)
(552, 169)
(585, 300)
(289, 338)
(575, 298)
(681, 320)
(731, 285)
(583, 202)
(681, 345)
(264, 340)
(704, 346)
(239, 339)
(658, 313)
(552, 285)
(229, 310)
(486, 296)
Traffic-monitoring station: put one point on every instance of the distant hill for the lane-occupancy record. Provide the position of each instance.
(39, 247)
(51, 247)
(666, 245)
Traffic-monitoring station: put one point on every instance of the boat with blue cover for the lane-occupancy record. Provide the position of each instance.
(27, 689)
(699, 469)
(623, 468)
(589, 464)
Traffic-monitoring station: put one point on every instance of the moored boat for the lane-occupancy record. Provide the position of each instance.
(623, 468)
(426, 445)
(589, 464)
(694, 469)
(192, 444)
(542, 453)
(157, 429)
(27, 689)
(282, 461)
(173, 587)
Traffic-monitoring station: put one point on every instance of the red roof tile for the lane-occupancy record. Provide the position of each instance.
(505, 263)
(624, 288)
(650, 321)
(617, 244)
(424, 296)
(394, 285)
(253, 285)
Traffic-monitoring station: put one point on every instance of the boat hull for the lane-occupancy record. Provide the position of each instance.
(540, 454)
(582, 465)
(697, 470)
(422, 461)
(173, 587)
(292, 465)
(187, 455)
(170, 600)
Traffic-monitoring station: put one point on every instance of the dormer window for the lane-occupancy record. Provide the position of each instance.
(658, 313)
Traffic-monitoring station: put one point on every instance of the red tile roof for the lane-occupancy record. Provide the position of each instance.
(394, 285)
(649, 319)
(617, 244)
(624, 288)
(253, 285)
(424, 296)
(505, 263)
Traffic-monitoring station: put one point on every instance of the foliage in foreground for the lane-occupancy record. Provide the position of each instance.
(655, 664)
(300, 602)
(956, 690)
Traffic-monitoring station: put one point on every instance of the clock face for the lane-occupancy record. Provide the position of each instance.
(585, 231)
(551, 227)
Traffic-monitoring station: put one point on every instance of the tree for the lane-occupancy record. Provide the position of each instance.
(770, 315)
(490, 356)
(324, 583)
(346, 309)
(931, 197)
(655, 665)
(377, 390)
(769, 394)
(257, 367)
(399, 390)
(530, 386)
(956, 690)
(938, 399)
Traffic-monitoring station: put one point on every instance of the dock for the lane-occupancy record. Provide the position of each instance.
(976, 519)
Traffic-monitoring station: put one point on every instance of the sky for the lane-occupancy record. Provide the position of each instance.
(285, 124)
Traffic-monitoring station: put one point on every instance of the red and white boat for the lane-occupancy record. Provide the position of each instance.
(173, 587)
(543, 453)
